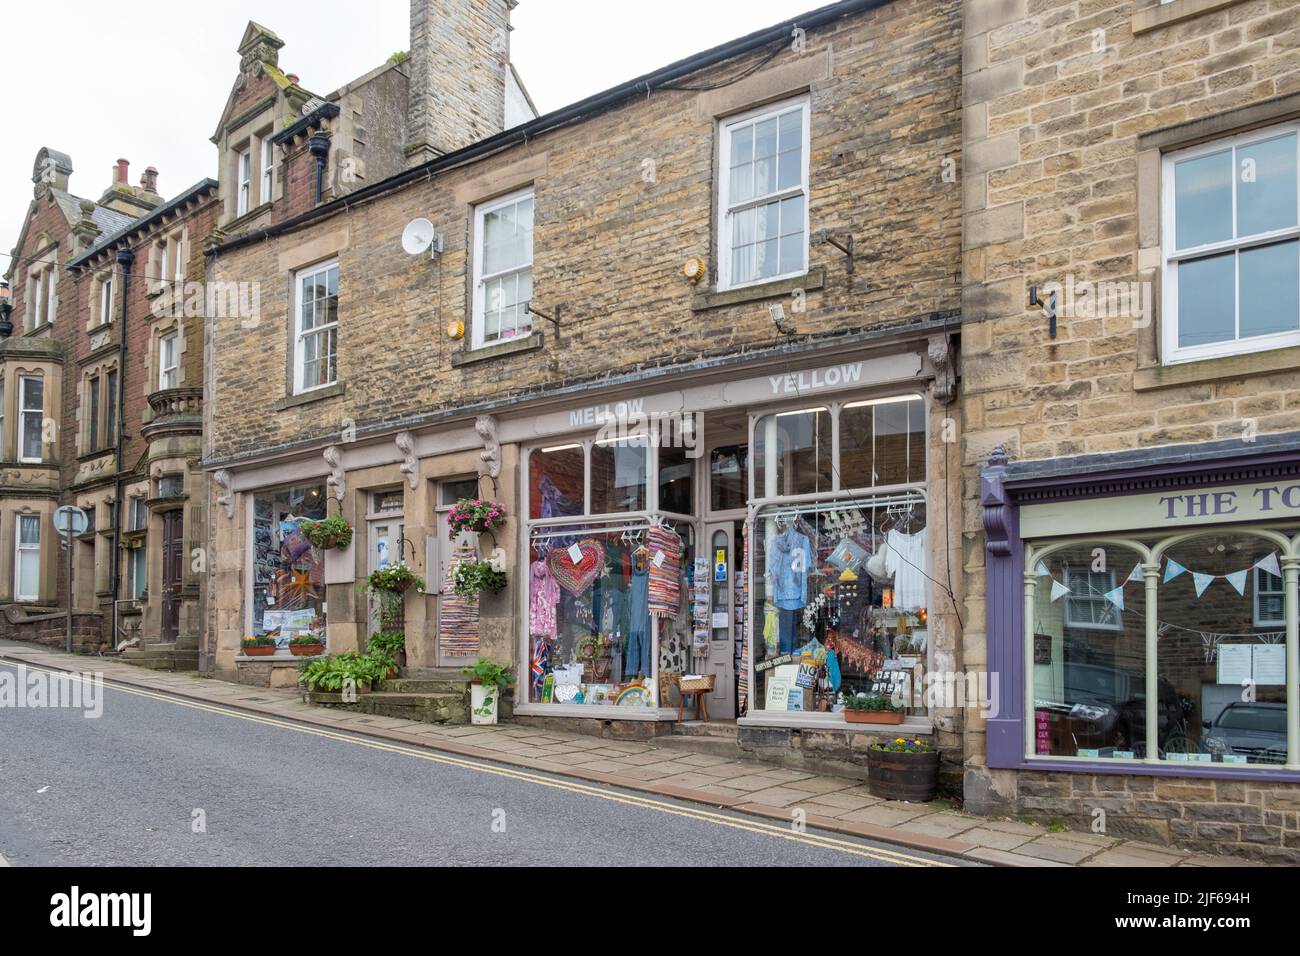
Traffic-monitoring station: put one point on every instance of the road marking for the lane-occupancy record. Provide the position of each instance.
(706, 816)
(3, 861)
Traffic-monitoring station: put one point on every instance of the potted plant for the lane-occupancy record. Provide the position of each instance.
(394, 579)
(474, 514)
(328, 533)
(487, 680)
(389, 643)
(472, 577)
(904, 768)
(258, 645)
(864, 708)
(306, 645)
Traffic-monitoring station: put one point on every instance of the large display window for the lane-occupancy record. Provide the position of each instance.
(287, 580)
(1177, 649)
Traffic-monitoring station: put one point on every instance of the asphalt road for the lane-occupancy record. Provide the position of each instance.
(169, 783)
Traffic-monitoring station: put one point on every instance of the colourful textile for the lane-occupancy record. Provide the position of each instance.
(457, 616)
(665, 573)
(543, 599)
(577, 578)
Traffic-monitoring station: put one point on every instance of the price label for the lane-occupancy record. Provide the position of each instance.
(575, 554)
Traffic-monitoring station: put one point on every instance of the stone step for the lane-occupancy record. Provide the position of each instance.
(412, 685)
(161, 657)
(713, 746)
(433, 673)
(428, 708)
(705, 728)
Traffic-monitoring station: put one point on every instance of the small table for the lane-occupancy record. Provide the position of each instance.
(699, 688)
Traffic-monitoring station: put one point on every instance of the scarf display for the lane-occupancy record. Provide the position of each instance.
(543, 600)
(665, 573)
(457, 616)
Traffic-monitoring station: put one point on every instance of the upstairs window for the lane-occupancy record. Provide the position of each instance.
(42, 299)
(105, 300)
(268, 169)
(316, 327)
(243, 182)
(31, 408)
(110, 407)
(763, 195)
(503, 269)
(168, 376)
(92, 402)
(1232, 246)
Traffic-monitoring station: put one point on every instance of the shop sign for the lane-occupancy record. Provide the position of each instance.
(814, 380)
(1257, 501)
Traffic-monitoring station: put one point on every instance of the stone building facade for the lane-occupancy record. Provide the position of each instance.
(385, 386)
(1130, 337)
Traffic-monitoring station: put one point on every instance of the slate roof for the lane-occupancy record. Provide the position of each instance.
(108, 220)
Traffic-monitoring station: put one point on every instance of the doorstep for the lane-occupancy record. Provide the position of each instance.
(835, 804)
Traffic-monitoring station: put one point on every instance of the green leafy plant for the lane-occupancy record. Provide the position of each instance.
(388, 643)
(332, 532)
(489, 673)
(332, 673)
(905, 745)
(258, 640)
(399, 57)
(474, 576)
(306, 640)
(874, 703)
(394, 579)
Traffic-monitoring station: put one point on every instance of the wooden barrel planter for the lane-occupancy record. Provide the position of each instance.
(913, 777)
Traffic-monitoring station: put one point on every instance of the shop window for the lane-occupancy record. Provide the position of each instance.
(316, 334)
(557, 481)
(676, 481)
(729, 477)
(882, 443)
(763, 195)
(841, 604)
(31, 416)
(618, 475)
(1232, 246)
(288, 585)
(503, 269)
(27, 558)
(1220, 658)
(792, 453)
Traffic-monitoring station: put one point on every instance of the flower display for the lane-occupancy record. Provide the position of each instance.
(475, 514)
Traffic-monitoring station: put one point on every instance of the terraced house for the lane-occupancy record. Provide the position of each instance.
(1131, 327)
(694, 334)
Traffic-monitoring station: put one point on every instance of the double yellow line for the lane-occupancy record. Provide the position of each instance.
(880, 854)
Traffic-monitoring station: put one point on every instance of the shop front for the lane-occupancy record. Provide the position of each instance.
(748, 551)
(1142, 616)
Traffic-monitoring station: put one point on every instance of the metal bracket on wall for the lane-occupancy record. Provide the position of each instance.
(845, 247)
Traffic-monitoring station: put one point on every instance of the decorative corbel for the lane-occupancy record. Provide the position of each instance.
(406, 445)
(945, 374)
(996, 506)
(336, 483)
(226, 499)
(486, 426)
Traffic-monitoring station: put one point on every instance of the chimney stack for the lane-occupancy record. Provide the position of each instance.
(149, 181)
(120, 172)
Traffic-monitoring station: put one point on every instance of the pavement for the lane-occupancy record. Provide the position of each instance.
(255, 765)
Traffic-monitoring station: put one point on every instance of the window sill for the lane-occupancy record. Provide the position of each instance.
(1217, 369)
(1276, 773)
(1164, 14)
(469, 356)
(814, 279)
(306, 398)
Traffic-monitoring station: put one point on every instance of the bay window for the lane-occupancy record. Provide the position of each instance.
(1232, 246)
(763, 195)
(31, 418)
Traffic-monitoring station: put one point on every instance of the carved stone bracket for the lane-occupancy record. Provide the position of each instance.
(336, 483)
(406, 445)
(993, 499)
(945, 373)
(226, 498)
(486, 426)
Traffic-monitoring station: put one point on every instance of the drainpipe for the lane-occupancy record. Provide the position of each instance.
(125, 257)
(319, 144)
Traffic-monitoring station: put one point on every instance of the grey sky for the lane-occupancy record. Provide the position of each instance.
(148, 82)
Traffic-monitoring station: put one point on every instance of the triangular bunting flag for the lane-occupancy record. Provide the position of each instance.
(1270, 564)
(1059, 590)
(1202, 581)
(1172, 570)
(1238, 580)
(1041, 570)
(1116, 596)
(1135, 574)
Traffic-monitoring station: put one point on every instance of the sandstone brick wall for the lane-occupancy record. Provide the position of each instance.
(610, 245)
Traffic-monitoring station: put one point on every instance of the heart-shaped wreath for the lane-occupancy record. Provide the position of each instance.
(576, 578)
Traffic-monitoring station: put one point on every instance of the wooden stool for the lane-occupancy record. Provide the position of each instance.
(699, 688)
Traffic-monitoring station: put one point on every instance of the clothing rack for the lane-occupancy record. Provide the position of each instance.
(846, 504)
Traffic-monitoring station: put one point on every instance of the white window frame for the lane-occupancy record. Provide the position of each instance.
(23, 412)
(164, 369)
(268, 169)
(1171, 353)
(726, 210)
(22, 551)
(299, 334)
(1257, 618)
(52, 295)
(1110, 610)
(480, 280)
(106, 292)
(243, 181)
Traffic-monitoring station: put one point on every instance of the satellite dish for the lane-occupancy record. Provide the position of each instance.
(419, 235)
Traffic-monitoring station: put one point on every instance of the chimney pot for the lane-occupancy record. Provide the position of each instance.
(149, 181)
(292, 78)
(120, 174)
